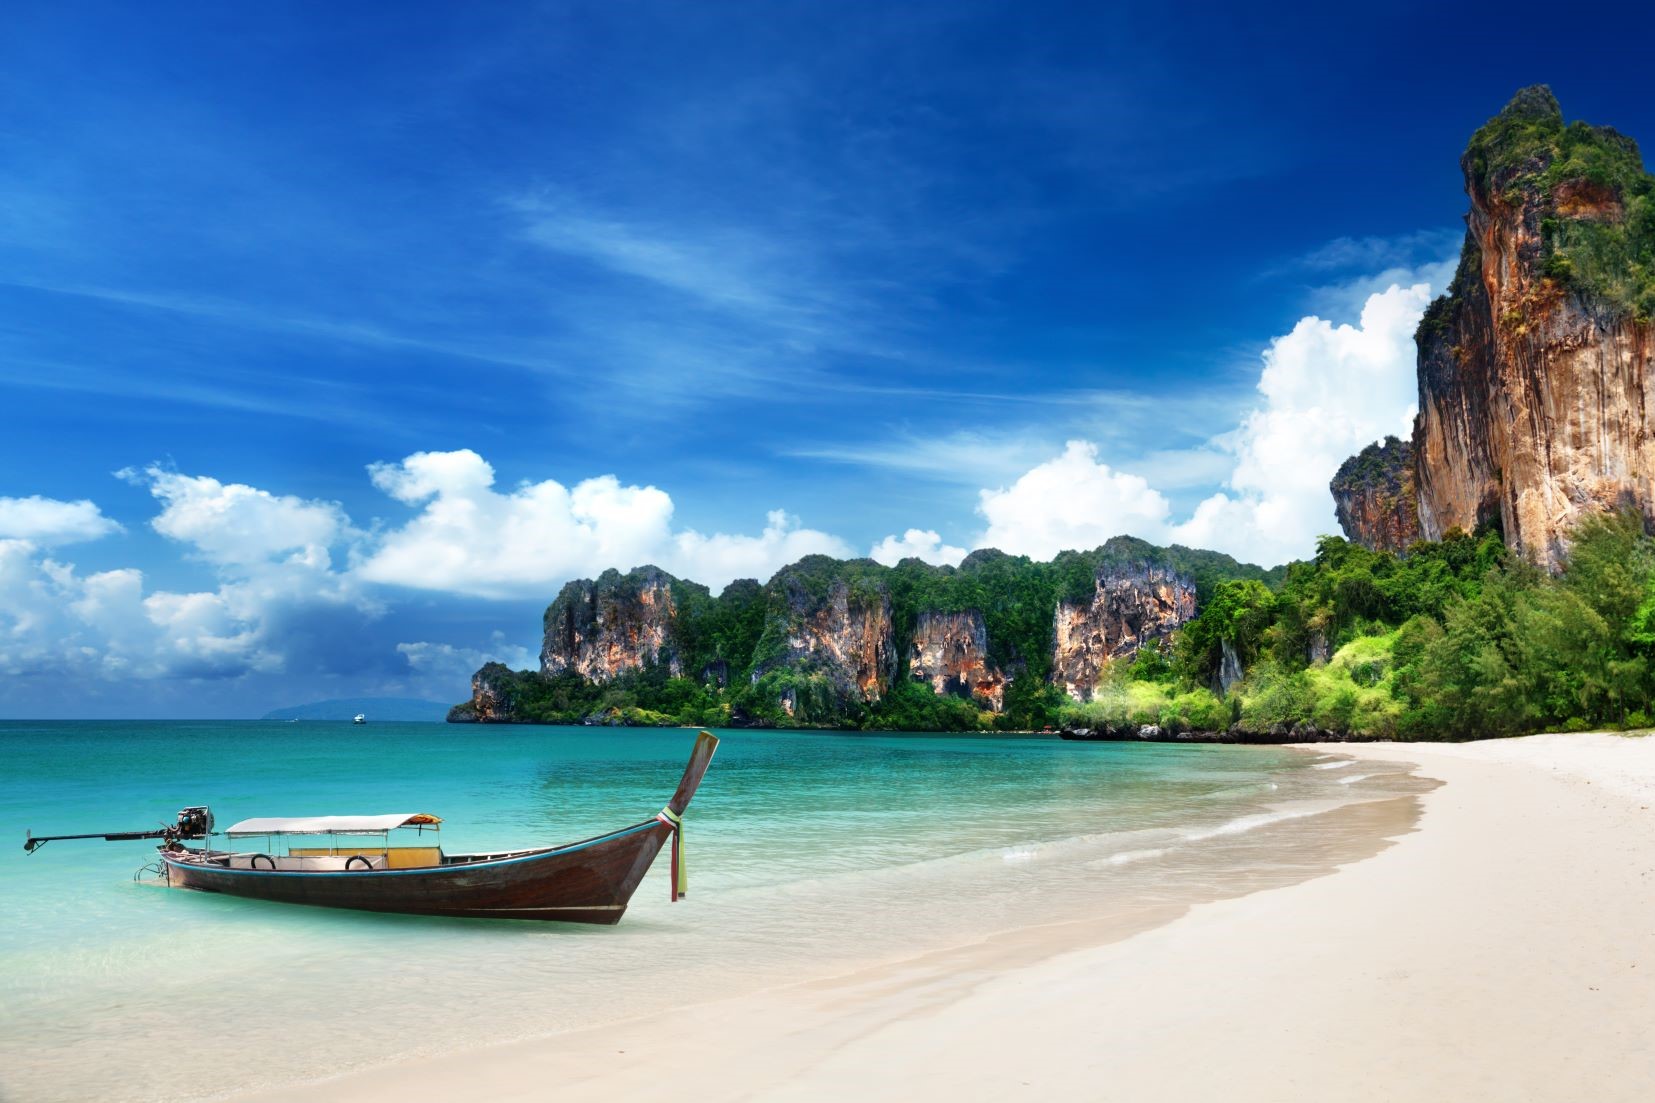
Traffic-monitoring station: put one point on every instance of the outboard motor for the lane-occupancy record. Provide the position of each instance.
(194, 823)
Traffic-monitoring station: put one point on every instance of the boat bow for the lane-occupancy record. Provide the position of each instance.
(701, 756)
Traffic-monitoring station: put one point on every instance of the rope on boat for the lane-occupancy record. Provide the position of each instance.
(680, 877)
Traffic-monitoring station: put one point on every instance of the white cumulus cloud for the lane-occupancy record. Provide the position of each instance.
(918, 543)
(232, 524)
(1326, 391)
(55, 620)
(275, 594)
(719, 559)
(47, 521)
(1072, 501)
(470, 538)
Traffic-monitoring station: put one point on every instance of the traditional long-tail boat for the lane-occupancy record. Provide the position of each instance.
(351, 862)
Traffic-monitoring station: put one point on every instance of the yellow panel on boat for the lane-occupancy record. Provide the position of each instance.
(397, 857)
(414, 857)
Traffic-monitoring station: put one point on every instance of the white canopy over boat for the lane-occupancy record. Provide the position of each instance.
(333, 825)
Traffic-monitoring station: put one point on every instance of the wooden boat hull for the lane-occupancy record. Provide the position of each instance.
(589, 882)
(586, 882)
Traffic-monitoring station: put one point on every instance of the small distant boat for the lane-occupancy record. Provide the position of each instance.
(359, 718)
(349, 862)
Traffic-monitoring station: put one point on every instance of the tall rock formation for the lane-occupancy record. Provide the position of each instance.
(491, 701)
(1375, 499)
(1535, 370)
(829, 628)
(1130, 605)
(950, 653)
(599, 629)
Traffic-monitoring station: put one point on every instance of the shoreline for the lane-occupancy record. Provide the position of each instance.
(1501, 948)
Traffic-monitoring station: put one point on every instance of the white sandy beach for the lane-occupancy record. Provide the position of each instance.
(1505, 950)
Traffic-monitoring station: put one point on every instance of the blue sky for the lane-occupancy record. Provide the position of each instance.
(281, 286)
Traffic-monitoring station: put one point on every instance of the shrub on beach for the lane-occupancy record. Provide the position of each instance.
(1123, 703)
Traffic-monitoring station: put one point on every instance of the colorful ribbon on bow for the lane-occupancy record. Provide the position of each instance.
(680, 878)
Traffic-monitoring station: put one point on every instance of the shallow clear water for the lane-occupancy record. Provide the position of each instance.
(808, 852)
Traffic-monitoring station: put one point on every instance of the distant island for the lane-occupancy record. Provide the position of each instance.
(402, 709)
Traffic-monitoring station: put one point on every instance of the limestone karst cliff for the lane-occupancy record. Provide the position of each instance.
(1129, 605)
(491, 699)
(599, 629)
(1374, 496)
(1535, 369)
(830, 642)
(949, 653)
(834, 630)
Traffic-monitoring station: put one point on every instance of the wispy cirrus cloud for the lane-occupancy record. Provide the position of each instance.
(1337, 277)
(1376, 253)
(1117, 422)
(698, 304)
(273, 319)
(723, 268)
(964, 457)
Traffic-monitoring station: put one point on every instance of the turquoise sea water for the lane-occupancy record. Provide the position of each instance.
(807, 851)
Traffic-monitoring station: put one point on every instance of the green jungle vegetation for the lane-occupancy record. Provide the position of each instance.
(1456, 640)
(1381, 464)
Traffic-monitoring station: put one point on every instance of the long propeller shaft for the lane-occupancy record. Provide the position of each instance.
(32, 843)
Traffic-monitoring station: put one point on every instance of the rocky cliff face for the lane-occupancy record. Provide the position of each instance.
(820, 642)
(831, 629)
(950, 652)
(1535, 372)
(1375, 499)
(491, 701)
(602, 628)
(1129, 605)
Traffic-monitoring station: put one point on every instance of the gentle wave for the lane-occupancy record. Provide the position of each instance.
(1126, 857)
(1243, 824)
(1127, 846)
